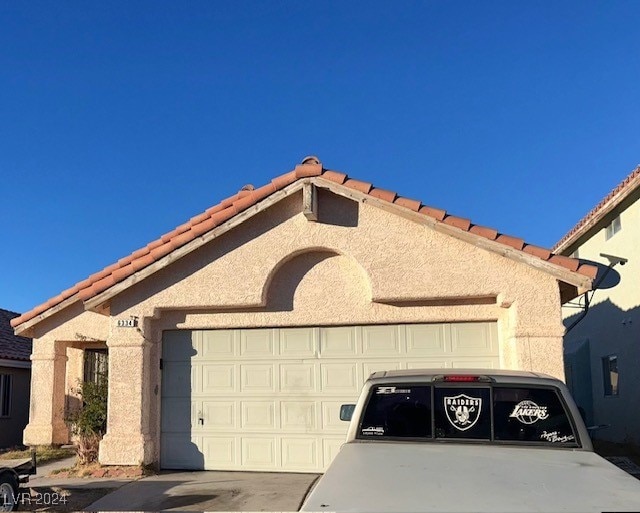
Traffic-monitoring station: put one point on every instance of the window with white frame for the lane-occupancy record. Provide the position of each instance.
(610, 374)
(614, 227)
(5, 395)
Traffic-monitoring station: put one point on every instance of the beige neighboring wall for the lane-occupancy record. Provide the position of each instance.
(358, 265)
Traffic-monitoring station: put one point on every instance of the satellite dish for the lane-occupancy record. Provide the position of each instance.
(606, 277)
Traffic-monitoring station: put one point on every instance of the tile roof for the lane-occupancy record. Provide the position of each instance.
(630, 183)
(248, 196)
(12, 347)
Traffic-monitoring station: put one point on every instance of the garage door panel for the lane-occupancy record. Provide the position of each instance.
(178, 415)
(257, 343)
(259, 452)
(300, 453)
(338, 342)
(220, 452)
(179, 345)
(298, 342)
(427, 364)
(180, 379)
(258, 378)
(473, 337)
(340, 378)
(218, 344)
(369, 368)
(427, 340)
(298, 416)
(219, 415)
(181, 451)
(298, 377)
(270, 398)
(258, 415)
(330, 448)
(381, 340)
(217, 379)
(331, 415)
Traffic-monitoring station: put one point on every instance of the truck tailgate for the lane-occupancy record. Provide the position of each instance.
(388, 476)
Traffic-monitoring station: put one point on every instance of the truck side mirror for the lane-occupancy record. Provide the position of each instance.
(346, 411)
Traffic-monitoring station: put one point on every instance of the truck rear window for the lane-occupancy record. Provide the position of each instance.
(487, 412)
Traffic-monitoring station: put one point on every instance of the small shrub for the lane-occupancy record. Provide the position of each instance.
(89, 422)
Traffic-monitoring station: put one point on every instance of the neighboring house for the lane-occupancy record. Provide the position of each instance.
(233, 339)
(602, 351)
(15, 380)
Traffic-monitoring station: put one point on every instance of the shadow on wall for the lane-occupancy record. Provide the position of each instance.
(182, 415)
(606, 330)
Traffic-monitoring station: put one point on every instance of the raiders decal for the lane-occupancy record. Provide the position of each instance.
(462, 411)
(529, 412)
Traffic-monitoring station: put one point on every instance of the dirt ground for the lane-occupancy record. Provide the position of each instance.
(59, 498)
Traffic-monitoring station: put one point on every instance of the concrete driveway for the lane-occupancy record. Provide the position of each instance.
(210, 491)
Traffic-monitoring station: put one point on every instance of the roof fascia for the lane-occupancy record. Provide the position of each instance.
(581, 282)
(14, 364)
(96, 303)
(24, 327)
(611, 205)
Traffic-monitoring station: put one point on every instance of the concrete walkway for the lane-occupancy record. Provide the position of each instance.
(210, 491)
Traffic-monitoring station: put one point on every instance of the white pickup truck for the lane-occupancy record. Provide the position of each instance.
(469, 440)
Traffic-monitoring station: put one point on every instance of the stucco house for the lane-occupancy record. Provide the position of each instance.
(233, 339)
(15, 380)
(602, 351)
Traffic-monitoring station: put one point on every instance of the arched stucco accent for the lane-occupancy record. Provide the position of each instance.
(289, 272)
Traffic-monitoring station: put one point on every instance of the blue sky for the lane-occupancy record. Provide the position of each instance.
(121, 120)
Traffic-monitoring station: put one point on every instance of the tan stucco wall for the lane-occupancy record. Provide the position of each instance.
(358, 265)
(611, 328)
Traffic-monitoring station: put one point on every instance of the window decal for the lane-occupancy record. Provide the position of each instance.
(529, 412)
(392, 390)
(462, 411)
(554, 436)
(373, 431)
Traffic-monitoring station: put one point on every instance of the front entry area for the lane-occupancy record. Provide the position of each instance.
(269, 399)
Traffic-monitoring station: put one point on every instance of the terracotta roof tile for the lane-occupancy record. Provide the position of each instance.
(244, 203)
(541, 253)
(384, 195)
(408, 203)
(307, 170)
(358, 185)
(458, 222)
(508, 240)
(282, 181)
(203, 227)
(588, 270)
(483, 231)
(570, 263)
(436, 213)
(229, 207)
(335, 176)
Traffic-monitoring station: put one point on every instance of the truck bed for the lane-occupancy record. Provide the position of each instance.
(420, 477)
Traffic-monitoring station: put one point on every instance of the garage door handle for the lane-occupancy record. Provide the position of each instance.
(200, 419)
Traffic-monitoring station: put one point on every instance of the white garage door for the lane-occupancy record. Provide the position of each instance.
(269, 399)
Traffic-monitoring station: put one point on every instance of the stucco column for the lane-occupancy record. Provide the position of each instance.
(46, 411)
(127, 441)
(533, 342)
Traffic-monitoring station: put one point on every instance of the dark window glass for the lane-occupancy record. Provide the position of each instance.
(530, 415)
(95, 365)
(610, 375)
(5, 395)
(462, 412)
(400, 411)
